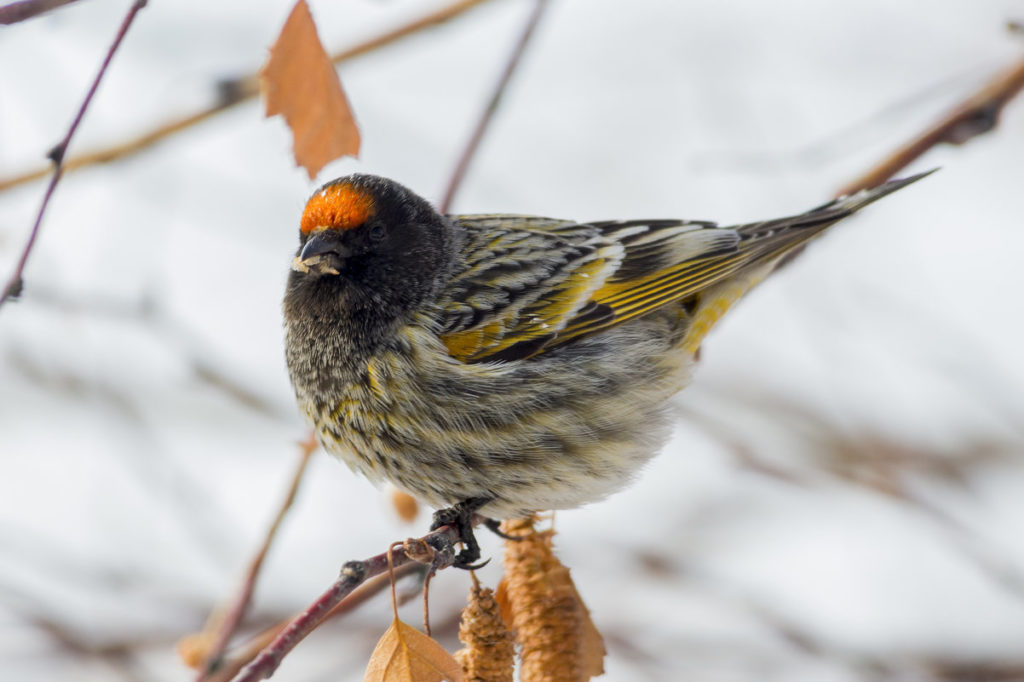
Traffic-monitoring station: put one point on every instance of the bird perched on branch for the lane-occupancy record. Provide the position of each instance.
(503, 364)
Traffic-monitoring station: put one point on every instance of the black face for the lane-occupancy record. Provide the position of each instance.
(394, 260)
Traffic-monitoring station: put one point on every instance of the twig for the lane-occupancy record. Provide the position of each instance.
(235, 91)
(976, 115)
(170, 331)
(13, 287)
(26, 9)
(354, 573)
(492, 106)
(231, 665)
(225, 622)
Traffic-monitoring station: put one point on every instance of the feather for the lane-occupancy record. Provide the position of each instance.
(527, 285)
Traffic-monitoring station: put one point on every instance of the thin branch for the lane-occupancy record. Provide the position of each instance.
(977, 115)
(26, 9)
(231, 665)
(439, 544)
(492, 106)
(14, 284)
(170, 331)
(225, 622)
(235, 91)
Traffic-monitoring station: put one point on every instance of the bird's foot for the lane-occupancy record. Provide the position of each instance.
(460, 517)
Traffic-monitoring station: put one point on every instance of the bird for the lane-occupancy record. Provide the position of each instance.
(497, 365)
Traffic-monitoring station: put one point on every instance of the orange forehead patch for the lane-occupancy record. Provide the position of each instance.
(338, 207)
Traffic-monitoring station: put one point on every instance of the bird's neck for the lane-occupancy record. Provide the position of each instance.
(329, 343)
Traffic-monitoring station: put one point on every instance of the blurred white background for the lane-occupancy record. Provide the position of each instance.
(844, 496)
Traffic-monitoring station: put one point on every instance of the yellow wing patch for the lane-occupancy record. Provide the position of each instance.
(629, 299)
(466, 344)
(554, 281)
(720, 280)
(536, 321)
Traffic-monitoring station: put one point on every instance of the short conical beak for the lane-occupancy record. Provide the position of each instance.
(323, 254)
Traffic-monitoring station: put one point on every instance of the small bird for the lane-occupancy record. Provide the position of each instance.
(506, 364)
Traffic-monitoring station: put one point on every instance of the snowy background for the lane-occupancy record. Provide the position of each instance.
(844, 496)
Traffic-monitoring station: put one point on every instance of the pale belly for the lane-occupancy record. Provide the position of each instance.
(555, 432)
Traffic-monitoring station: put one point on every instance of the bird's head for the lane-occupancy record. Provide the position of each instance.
(369, 239)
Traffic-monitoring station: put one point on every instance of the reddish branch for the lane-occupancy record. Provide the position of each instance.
(976, 115)
(26, 9)
(232, 664)
(224, 623)
(14, 284)
(492, 106)
(438, 545)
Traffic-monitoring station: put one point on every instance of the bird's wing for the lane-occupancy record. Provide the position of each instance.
(520, 280)
(527, 285)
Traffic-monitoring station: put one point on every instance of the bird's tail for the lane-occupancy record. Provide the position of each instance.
(858, 200)
(765, 246)
(831, 211)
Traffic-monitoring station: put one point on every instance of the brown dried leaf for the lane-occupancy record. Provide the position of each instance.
(404, 654)
(490, 651)
(299, 82)
(553, 626)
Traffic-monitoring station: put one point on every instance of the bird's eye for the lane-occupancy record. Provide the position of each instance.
(377, 232)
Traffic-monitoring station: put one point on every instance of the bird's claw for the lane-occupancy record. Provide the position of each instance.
(460, 517)
(494, 525)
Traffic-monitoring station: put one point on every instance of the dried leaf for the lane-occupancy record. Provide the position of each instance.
(299, 82)
(489, 654)
(404, 654)
(553, 627)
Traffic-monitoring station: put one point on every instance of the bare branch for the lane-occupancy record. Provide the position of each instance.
(232, 664)
(235, 91)
(492, 106)
(439, 544)
(27, 9)
(14, 284)
(976, 115)
(223, 622)
(147, 312)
